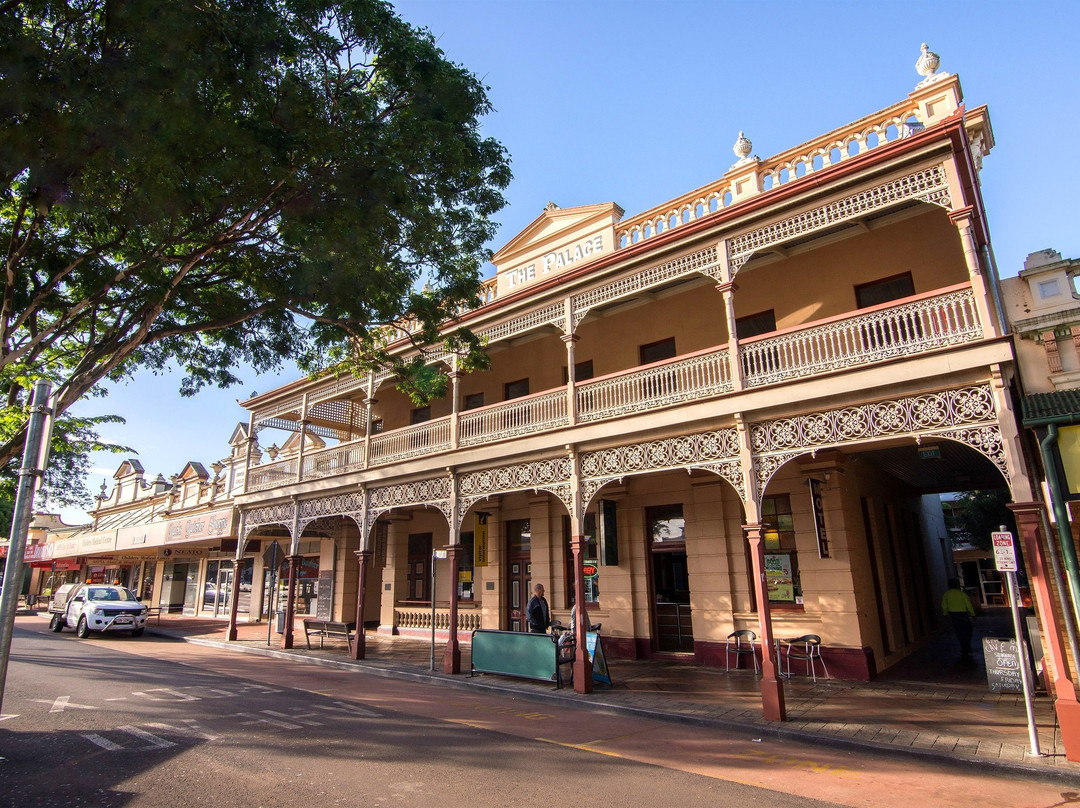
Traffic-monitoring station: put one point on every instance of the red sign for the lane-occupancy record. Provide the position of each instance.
(589, 570)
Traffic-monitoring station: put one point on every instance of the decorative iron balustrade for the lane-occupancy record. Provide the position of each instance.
(520, 416)
(680, 380)
(412, 441)
(271, 475)
(333, 460)
(911, 328)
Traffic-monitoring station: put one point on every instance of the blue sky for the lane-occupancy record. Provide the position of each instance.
(638, 102)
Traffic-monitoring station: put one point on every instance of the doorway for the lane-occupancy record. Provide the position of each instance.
(672, 623)
(518, 573)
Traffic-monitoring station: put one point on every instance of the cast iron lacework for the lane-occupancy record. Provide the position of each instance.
(280, 513)
(716, 451)
(555, 315)
(435, 492)
(929, 185)
(703, 261)
(964, 414)
(291, 405)
(552, 475)
(349, 505)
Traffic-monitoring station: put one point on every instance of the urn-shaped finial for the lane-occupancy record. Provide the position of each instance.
(927, 64)
(742, 147)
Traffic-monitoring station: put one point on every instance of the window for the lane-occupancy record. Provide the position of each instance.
(882, 291)
(465, 583)
(755, 324)
(516, 389)
(418, 576)
(419, 415)
(781, 557)
(473, 401)
(592, 550)
(582, 372)
(657, 351)
(1049, 289)
(666, 524)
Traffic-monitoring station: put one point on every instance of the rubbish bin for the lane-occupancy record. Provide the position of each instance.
(280, 621)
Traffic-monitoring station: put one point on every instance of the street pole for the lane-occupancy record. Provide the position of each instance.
(34, 460)
(435, 556)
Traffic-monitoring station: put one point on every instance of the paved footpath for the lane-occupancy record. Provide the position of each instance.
(954, 723)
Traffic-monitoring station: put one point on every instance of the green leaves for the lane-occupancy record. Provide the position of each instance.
(221, 183)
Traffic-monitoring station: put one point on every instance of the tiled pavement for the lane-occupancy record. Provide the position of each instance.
(946, 713)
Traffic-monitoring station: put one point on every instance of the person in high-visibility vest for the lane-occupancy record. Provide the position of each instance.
(956, 605)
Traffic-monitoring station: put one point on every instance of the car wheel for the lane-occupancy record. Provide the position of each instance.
(82, 631)
(57, 623)
(136, 632)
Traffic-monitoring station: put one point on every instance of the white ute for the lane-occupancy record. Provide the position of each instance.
(96, 607)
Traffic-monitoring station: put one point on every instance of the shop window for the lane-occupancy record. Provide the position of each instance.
(418, 576)
(473, 401)
(582, 372)
(517, 389)
(592, 563)
(884, 290)
(666, 524)
(420, 415)
(754, 325)
(657, 351)
(466, 586)
(781, 557)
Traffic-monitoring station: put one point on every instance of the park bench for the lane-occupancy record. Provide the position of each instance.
(327, 628)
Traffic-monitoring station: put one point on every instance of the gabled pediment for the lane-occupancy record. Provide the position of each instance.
(128, 468)
(555, 224)
(239, 435)
(194, 471)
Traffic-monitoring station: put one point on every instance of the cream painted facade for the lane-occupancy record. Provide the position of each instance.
(825, 321)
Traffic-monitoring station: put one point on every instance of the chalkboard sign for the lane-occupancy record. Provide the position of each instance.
(1002, 665)
(325, 604)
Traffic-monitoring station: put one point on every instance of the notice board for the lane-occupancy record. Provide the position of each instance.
(1002, 665)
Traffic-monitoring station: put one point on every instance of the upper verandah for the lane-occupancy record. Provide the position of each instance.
(571, 241)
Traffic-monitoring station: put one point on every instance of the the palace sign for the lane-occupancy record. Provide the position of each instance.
(556, 261)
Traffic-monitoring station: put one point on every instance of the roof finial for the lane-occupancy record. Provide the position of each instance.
(742, 149)
(927, 65)
(551, 206)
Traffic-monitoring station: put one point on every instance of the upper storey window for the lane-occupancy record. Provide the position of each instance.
(884, 290)
(419, 415)
(755, 324)
(657, 351)
(516, 389)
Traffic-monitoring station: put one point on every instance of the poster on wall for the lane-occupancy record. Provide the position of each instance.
(779, 578)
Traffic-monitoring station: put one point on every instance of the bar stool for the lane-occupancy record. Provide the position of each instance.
(741, 642)
(806, 648)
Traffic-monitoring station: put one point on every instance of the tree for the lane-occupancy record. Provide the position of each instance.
(224, 182)
(977, 514)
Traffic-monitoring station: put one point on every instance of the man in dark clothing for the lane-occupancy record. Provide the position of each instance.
(537, 611)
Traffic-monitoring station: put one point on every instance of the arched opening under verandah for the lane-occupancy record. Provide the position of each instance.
(859, 552)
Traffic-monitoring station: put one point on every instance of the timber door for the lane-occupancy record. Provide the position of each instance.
(518, 573)
(672, 624)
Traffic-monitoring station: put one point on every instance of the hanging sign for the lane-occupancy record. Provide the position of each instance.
(480, 540)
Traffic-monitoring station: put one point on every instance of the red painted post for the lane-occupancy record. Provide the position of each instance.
(234, 599)
(452, 655)
(290, 603)
(582, 663)
(358, 647)
(772, 689)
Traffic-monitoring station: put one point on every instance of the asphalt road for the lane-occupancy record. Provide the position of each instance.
(118, 721)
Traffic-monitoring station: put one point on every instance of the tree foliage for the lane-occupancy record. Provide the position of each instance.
(977, 514)
(213, 183)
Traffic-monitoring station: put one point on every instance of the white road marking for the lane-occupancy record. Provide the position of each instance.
(154, 741)
(104, 743)
(191, 730)
(352, 709)
(302, 717)
(154, 694)
(62, 703)
(6, 716)
(271, 721)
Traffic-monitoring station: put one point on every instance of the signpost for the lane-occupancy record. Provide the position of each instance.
(1005, 562)
(435, 556)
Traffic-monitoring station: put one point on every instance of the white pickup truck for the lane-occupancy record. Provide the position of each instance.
(96, 607)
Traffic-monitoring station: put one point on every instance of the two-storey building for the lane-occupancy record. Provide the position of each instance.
(727, 412)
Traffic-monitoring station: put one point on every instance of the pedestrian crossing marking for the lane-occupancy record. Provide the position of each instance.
(104, 743)
(154, 741)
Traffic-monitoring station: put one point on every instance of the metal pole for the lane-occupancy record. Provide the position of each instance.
(35, 457)
(1022, 652)
(270, 618)
(433, 610)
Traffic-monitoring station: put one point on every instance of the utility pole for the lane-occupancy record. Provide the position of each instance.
(35, 459)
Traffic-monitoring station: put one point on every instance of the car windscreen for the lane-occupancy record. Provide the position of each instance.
(109, 593)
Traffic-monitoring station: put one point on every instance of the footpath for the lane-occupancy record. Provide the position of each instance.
(932, 706)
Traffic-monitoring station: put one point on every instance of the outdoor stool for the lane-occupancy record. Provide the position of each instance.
(739, 643)
(806, 648)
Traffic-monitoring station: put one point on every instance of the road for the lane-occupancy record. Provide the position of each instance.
(118, 721)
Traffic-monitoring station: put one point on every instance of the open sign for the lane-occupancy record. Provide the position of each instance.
(589, 570)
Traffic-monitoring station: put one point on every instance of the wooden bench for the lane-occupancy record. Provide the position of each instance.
(328, 628)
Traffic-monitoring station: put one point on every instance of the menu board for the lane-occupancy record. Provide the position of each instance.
(1002, 665)
(779, 578)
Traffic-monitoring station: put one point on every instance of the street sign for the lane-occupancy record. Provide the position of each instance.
(1004, 552)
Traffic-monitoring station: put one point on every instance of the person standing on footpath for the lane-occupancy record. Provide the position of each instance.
(956, 605)
(537, 611)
